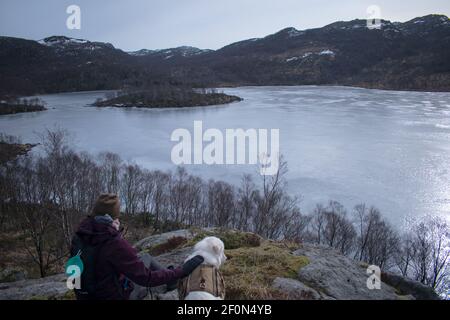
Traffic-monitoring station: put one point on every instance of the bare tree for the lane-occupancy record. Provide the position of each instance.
(146, 195)
(110, 166)
(296, 227)
(245, 204)
(377, 242)
(274, 205)
(431, 244)
(63, 176)
(339, 232)
(331, 227)
(318, 223)
(440, 253)
(221, 204)
(38, 225)
(131, 187)
(160, 197)
(405, 254)
(185, 196)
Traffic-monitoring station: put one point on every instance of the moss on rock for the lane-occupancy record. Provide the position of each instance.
(250, 271)
(68, 295)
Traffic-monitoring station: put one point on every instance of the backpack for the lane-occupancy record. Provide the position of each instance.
(88, 254)
(204, 278)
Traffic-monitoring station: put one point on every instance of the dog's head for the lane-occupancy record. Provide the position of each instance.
(212, 249)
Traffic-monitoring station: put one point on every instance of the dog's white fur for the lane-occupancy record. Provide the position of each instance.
(212, 250)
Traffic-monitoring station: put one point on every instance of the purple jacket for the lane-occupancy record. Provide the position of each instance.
(118, 259)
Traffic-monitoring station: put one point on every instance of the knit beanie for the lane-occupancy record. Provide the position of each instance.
(107, 203)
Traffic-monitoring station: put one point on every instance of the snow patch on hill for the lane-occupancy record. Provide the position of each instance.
(61, 40)
(61, 43)
(326, 52)
(184, 51)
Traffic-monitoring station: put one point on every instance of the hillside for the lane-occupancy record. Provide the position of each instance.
(256, 269)
(405, 56)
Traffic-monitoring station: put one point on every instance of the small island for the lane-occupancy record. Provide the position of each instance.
(13, 105)
(166, 97)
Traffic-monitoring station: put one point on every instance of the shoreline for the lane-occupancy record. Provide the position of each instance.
(161, 108)
(331, 85)
(254, 86)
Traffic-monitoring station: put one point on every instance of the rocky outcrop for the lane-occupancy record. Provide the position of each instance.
(326, 275)
(12, 274)
(157, 239)
(294, 289)
(335, 276)
(409, 287)
(10, 151)
(338, 277)
(53, 287)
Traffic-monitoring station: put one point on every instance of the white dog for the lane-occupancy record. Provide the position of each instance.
(212, 250)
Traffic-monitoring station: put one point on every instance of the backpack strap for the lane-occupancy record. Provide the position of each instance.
(89, 256)
(220, 284)
(183, 288)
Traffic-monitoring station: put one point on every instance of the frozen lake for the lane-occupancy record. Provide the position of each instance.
(385, 148)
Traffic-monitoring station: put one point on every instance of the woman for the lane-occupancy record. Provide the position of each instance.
(110, 262)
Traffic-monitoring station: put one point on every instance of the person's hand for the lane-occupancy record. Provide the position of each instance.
(191, 264)
(116, 224)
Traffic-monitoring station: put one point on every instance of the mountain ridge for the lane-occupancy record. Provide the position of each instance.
(412, 55)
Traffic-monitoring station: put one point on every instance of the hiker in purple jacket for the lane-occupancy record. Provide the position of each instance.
(115, 262)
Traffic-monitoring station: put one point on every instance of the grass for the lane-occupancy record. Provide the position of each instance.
(14, 255)
(69, 295)
(232, 239)
(249, 272)
(252, 265)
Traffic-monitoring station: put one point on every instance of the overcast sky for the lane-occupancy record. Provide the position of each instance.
(136, 24)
